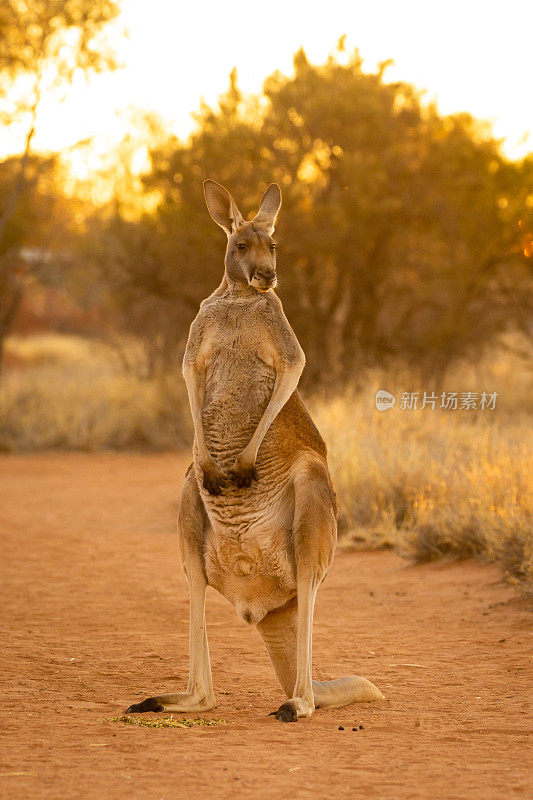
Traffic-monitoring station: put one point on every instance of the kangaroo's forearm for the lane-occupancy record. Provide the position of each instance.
(195, 382)
(286, 383)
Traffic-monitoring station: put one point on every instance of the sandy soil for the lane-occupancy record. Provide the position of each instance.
(94, 616)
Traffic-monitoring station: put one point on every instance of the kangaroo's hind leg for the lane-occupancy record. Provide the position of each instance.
(279, 630)
(287, 632)
(192, 530)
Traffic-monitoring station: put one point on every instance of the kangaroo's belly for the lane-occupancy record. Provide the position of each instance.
(255, 573)
(248, 553)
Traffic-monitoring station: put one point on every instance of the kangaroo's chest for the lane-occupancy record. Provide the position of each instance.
(239, 379)
(236, 352)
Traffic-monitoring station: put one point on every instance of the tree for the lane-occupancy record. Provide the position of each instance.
(43, 44)
(403, 234)
(23, 254)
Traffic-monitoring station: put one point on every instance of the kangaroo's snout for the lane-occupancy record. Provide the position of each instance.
(264, 278)
(267, 273)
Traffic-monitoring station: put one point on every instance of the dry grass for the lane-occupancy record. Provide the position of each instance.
(74, 394)
(432, 483)
(428, 483)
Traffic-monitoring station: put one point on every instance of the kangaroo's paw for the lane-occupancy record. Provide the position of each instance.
(243, 471)
(215, 479)
(174, 702)
(243, 476)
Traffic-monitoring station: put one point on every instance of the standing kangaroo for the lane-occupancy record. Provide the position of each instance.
(257, 518)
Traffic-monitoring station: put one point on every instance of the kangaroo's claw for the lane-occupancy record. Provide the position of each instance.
(214, 479)
(285, 713)
(150, 704)
(243, 476)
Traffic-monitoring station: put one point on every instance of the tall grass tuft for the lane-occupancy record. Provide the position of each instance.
(432, 483)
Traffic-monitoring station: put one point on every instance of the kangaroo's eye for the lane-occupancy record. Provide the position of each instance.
(272, 247)
(242, 247)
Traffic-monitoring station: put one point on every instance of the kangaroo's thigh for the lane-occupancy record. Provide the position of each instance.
(314, 528)
(314, 532)
(278, 629)
(193, 526)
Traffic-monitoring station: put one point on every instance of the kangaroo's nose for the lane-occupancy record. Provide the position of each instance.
(266, 272)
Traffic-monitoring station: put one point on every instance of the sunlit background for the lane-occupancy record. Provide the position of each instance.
(473, 56)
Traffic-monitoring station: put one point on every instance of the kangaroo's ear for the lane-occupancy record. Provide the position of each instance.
(268, 210)
(222, 207)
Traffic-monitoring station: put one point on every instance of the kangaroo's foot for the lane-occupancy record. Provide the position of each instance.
(329, 694)
(150, 704)
(344, 691)
(174, 702)
(293, 709)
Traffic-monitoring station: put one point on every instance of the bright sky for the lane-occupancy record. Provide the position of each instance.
(472, 55)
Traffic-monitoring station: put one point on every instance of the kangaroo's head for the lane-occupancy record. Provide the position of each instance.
(251, 252)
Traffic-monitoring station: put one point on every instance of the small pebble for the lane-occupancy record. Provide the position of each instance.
(341, 728)
(354, 729)
(361, 727)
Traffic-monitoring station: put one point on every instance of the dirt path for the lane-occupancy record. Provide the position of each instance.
(94, 614)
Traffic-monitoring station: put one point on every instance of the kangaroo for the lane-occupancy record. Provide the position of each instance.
(257, 517)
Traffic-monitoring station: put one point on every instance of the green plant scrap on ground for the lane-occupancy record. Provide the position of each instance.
(166, 722)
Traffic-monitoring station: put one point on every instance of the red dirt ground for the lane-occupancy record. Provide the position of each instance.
(95, 617)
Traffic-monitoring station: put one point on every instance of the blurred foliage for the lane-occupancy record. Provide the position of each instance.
(44, 44)
(404, 235)
(41, 216)
(57, 36)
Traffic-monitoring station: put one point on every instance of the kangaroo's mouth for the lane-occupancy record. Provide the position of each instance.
(263, 284)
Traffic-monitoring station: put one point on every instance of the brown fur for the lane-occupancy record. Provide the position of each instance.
(257, 517)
